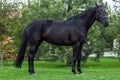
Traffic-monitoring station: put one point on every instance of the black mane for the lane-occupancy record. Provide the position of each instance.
(83, 13)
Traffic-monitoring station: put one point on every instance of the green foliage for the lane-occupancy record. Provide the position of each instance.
(100, 39)
(6, 24)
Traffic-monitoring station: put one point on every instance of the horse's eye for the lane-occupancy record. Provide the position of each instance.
(103, 10)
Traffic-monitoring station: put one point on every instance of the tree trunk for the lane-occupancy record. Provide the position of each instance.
(68, 60)
(69, 5)
(2, 60)
(85, 57)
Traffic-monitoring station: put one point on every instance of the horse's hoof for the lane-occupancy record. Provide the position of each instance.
(33, 74)
(81, 73)
(76, 74)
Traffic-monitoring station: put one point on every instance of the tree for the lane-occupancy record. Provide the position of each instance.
(58, 10)
(115, 19)
(7, 20)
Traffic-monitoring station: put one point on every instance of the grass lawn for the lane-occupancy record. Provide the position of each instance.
(106, 69)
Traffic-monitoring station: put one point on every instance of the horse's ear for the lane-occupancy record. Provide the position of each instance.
(96, 4)
(102, 4)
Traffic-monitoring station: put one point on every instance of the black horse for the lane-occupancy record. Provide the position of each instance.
(71, 32)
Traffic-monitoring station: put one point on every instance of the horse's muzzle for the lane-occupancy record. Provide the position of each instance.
(105, 23)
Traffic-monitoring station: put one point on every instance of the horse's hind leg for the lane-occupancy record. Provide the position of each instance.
(32, 51)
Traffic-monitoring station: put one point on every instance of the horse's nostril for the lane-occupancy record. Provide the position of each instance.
(106, 23)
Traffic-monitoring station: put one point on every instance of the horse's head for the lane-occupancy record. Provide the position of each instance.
(101, 15)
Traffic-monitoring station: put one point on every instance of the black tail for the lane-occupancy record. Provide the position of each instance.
(21, 52)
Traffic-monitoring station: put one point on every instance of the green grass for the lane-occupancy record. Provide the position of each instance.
(106, 69)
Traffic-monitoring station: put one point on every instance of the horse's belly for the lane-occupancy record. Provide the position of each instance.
(61, 43)
(60, 40)
(60, 36)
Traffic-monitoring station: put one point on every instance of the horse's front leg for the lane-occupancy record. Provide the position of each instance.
(75, 52)
(79, 58)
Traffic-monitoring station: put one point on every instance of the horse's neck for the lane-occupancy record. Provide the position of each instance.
(88, 18)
